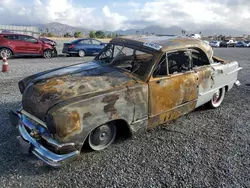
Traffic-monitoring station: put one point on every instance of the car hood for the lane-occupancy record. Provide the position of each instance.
(82, 80)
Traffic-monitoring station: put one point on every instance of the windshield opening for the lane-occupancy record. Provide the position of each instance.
(137, 62)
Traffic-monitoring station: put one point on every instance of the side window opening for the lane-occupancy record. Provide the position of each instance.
(85, 42)
(13, 37)
(96, 42)
(199, 58)
(179, 62)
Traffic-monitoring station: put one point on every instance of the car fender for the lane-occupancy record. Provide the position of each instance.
(75, 119)
(83, 115)
(47, 47)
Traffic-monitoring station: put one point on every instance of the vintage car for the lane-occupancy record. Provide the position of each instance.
(134, 84)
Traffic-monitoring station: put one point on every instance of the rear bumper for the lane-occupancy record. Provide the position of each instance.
(69, 52)
(29, 144)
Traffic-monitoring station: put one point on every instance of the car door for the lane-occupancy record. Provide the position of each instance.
(172, 88)
(97, 46)
(202, 67)
(15, 43)
(85, 45)
(32, 45)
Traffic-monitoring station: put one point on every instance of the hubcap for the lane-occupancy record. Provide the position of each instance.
(7, 52)
(216, 97)
(102, 137)
(81, 53)
(47, 54)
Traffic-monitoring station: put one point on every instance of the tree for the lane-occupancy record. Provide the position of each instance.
(109, 35)
(47, 30)
(50, 35)
(67, 35)
(92, 34)
(78, 34)
(100, 34)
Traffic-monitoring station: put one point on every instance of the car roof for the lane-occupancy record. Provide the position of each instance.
(15, 34)
(165, 43)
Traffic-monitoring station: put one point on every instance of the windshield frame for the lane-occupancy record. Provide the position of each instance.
(135, 48)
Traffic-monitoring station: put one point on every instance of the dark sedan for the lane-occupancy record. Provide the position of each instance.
(82, 47)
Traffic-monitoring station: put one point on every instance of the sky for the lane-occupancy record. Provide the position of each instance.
(130, 14)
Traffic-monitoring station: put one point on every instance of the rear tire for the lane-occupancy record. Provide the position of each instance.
(217, 98)
(7, 51)
(47, 54)
(81, 53)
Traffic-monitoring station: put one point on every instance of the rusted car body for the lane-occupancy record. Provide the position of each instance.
(151, 80)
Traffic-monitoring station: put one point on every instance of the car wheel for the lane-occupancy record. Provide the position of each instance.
(217, 98)
(81, 53)
(47, 54)
(7, 51)
(101, 137)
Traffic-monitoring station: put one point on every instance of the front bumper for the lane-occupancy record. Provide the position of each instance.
(29, 144)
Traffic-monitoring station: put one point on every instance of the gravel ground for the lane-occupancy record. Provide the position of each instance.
(206, 148)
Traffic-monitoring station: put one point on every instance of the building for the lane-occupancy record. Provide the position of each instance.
(27, 30)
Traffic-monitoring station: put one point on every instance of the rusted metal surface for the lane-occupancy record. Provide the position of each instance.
(57, 87)
(74, 121)
(170, 97)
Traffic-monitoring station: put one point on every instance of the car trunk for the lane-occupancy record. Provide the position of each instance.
(66, 46)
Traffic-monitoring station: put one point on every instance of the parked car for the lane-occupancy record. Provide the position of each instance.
(23, 45)
(241, 44)
(82, 47)
(134, 84)
(196, 36)
(248, 43)
(215, 43)
(228, 43)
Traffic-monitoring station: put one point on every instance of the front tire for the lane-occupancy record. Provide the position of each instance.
(47, 54)
(217, 98)
(81, 53)
(101, 137)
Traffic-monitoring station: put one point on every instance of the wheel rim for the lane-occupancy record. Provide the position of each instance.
(47, 54)
(81, 53)
(216, 97)
(102, 137)
(7, 52)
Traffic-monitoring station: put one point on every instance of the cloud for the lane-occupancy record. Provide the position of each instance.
(113, 19)
(63, 11)
(190, 15)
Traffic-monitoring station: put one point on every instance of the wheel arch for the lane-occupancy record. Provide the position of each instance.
(226, 88)
(12, 51)
(122, 126)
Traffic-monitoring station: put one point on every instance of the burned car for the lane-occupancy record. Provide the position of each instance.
(134, 84)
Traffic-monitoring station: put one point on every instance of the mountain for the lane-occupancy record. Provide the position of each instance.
(174, 30)
(60, 29)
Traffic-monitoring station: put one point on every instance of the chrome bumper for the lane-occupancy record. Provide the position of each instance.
(29, 144)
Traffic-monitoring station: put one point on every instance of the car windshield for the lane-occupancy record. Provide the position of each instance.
(137, 62)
